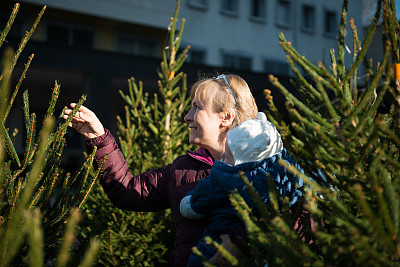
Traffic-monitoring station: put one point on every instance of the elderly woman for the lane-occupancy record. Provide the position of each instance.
(218, 105)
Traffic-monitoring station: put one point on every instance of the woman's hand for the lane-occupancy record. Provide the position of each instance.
(85, 122)
(218, 259)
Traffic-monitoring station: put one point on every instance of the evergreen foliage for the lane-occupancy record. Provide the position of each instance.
(37, 195)
(151, 135)
(153, 123)
(345, 133)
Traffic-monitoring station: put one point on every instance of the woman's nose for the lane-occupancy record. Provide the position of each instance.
(189, 116)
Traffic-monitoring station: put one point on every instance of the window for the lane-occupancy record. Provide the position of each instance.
(283, 13)
(201, 4)
(308, 18)
(229, 7)
(136, 45)
(330, 26)
(276, 67)
(197, 56)
(82, 38)
(235, 61)
(58, 34)
(68, 35)
(257, 9)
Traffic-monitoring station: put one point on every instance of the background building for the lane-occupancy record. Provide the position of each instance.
(94, 46)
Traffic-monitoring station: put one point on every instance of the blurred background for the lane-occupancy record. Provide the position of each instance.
(94, 46)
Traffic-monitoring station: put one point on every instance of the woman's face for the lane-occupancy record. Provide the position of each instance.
(205, 126)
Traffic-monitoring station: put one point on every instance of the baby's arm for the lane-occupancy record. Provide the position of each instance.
(187, 210)
(205, 198)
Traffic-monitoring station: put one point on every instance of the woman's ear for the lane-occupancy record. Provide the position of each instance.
(227, 118)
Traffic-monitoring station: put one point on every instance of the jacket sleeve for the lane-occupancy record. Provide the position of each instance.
(144, 192)
(208, 196)
(186, 209)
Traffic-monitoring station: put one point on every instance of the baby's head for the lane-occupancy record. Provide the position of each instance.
(253, 140)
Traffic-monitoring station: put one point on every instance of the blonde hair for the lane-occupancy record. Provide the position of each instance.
(216, 93)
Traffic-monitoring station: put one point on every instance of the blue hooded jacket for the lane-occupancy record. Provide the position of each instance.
(211, 195)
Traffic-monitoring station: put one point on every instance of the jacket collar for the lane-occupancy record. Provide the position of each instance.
(202, 155)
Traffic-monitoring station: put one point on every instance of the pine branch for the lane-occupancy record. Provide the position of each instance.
(30, 141)
(53, 101)
(35, 199)
(366, 97)
(307, 65)
(308, 91)
(87, 191)
(300, 105)
(68, 238)
(33, 184)
(17, 88)
(225, 253)
(335, 86)
(9, 145)
(7, 248)
(9, 23)
(382, 203)
(341, 50)
(391, 195)
(35, 234)
(65, 189)
(23, 43)
(25, 107)
(88, 162)
(374, 106)
(366, 43)
(356, 50)
(372, 219)
(90, 255)
(327, 102)
(5, 82)
(389, 11)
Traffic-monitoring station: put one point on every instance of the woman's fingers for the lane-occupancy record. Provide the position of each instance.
(84, 121)
(85, 110)
(82, 109)
(77, 117)
(83, 115)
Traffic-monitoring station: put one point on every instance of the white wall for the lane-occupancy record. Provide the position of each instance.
(155, 13)
(213, 31)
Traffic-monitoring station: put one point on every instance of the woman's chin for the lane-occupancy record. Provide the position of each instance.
(193, 141)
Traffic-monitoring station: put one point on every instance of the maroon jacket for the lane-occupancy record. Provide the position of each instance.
(155, 190)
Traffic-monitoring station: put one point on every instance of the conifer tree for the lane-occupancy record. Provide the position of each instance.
(37, 195)
(345, 133)
(151, 135)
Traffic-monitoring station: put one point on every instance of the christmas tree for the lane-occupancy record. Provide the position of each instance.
(151, 135)
(40, 200)
(345, 134)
